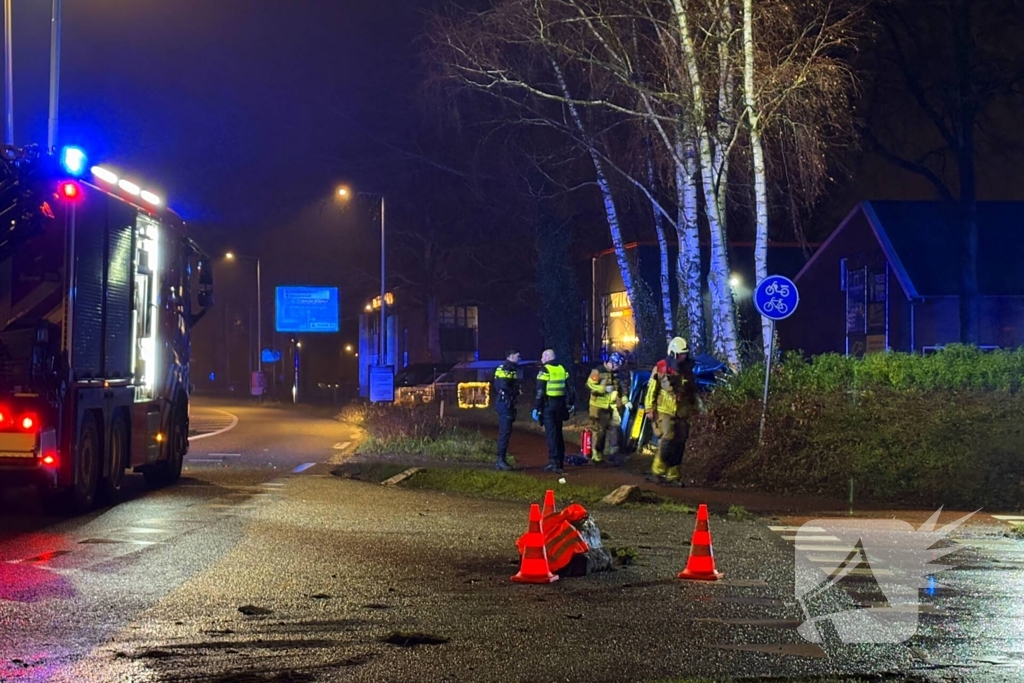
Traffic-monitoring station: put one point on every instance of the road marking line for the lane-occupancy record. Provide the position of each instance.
(303, 467)
(809, 538)
(797, 528)
(234, 423)
(834, 559)
(825, 548)
(857, 572)
(1009, 518)
(342, 445)
(225, 455)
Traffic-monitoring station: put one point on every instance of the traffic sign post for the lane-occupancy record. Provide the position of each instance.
(775, 298)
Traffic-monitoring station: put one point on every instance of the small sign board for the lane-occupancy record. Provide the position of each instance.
(776, 297)
(306, 309)
(258, 384)
(382, 384)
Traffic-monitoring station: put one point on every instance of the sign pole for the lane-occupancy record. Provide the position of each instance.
(775, 298)
(767, 377)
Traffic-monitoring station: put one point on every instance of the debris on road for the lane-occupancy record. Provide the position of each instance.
(625, 556)
(254, 611)
(402, 476)
(624, 494)
(402, 639)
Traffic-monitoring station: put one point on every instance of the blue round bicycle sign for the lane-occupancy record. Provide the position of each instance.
(776, 297)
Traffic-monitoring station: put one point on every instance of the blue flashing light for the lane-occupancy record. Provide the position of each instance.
(74, 160)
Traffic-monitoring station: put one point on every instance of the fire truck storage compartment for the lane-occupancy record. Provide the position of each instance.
(104, 241)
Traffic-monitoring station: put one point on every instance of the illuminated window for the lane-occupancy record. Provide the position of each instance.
(619, 332)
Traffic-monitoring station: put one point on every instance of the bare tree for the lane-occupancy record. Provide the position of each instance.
(962, 64)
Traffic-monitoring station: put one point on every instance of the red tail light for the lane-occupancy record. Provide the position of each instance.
(28, 422)
(50, 459)
(69, 191)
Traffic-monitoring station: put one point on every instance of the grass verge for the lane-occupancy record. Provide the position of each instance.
(459, 445)
(1017, 530)
(481, 483)
(501, 485)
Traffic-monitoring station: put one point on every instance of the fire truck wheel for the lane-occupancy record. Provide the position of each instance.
(168, 471)
(87, 466)
(118, 458)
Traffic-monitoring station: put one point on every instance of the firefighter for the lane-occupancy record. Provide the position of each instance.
(670, 401)
(506, 391)
(605, 400)
(555, 402)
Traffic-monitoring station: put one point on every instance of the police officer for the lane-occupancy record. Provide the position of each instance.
(670, 401)
(605, 400)
(506, 391)
(555, 402)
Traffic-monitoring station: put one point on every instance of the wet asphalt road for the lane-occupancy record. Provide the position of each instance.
(150, 590)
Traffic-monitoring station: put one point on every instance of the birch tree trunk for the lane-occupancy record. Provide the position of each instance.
(610, 212)
(757, 154)
(723, 312)
(659, 230)
(691, 289)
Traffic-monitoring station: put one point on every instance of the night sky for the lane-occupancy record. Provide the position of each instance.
(242, 109)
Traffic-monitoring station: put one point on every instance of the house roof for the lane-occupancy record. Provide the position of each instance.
(921, 242)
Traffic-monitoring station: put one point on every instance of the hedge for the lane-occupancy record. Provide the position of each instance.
(945, 429)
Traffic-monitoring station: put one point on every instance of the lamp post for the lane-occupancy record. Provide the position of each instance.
(8, 73)
(231, 256)
(345, 193)
(55, 25)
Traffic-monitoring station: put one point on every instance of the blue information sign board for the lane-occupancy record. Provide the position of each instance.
(382, 384)
(776, 297)
(307, 309)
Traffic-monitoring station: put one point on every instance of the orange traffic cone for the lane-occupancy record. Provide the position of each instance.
(701, 565)
(549, 504)
(534, 568)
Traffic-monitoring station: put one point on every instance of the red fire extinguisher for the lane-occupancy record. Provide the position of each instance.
(587, 443)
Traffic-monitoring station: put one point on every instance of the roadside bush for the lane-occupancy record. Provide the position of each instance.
(936, 430)
(398, 430)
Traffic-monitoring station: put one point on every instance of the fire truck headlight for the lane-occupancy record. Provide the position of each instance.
(73, 160)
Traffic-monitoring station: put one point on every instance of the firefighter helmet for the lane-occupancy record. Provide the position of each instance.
(678, 346)
(617, 359)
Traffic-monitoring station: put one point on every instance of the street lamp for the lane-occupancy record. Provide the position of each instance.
(231, 256)
(344, 193)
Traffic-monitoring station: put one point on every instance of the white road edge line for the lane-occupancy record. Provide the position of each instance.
(239, 455)
(303, 467)
(234, 423)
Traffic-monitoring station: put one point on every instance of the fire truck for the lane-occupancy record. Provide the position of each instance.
(100, 287)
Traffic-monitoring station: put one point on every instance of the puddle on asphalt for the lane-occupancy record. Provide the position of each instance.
(807, 650)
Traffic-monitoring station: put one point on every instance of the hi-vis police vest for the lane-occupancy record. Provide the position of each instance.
(555, 377)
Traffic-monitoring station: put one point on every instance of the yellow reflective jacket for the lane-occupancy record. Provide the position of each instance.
(598, 382)
(671, 391)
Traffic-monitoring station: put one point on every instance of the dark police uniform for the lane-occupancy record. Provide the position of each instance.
(506, 391)
(555, 394)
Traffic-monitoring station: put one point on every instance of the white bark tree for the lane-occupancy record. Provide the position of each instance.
(713, 166)
(753, 117)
